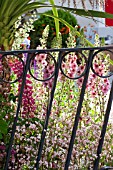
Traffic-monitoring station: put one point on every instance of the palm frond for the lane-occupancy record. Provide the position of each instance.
(89, 13)
(93, 3)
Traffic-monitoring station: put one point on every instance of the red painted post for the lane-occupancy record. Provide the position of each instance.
(109, 9)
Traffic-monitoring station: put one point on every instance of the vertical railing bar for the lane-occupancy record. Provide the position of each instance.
(17, 113)
(104, 127)
(77, 116)
(48, 111)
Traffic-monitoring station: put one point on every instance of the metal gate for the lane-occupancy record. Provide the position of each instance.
(58, 66)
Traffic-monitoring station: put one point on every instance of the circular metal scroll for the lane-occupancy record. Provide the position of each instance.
(63, 60)
(92, 65)
(49, 56)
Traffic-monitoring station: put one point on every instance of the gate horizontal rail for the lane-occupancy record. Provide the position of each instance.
(58, 67)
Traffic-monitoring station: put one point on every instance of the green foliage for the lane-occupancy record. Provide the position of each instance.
(10, 11)
(3, 123)
(43, 21)
(5, 110)
(55, 13)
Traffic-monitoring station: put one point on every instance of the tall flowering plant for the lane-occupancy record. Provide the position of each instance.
(31, 120)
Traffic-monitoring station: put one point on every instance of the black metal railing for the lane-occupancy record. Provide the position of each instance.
(58, 66)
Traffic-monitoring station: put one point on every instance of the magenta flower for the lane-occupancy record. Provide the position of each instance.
(28, 101)
(2, 147)
(41, 59)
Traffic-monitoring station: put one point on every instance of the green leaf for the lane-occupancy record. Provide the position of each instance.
(59, 19)
(1, 136)
(89, 13)
(81, 12)
(2, 114)
(3, 126)
(111, 61)
(56, 21)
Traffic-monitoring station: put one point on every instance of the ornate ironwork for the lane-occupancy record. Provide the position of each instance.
(31, 54)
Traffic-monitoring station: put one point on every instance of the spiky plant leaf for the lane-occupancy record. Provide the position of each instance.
(10, 10)
(56, 21)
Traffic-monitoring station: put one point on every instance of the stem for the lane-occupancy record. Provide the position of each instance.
(60, 96)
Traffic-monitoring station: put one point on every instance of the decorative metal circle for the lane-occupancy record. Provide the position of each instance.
(75, 63)
(4, 58)
(92, 64)
(44, 62)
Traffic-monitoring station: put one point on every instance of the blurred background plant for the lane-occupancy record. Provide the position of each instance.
(44, 20)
